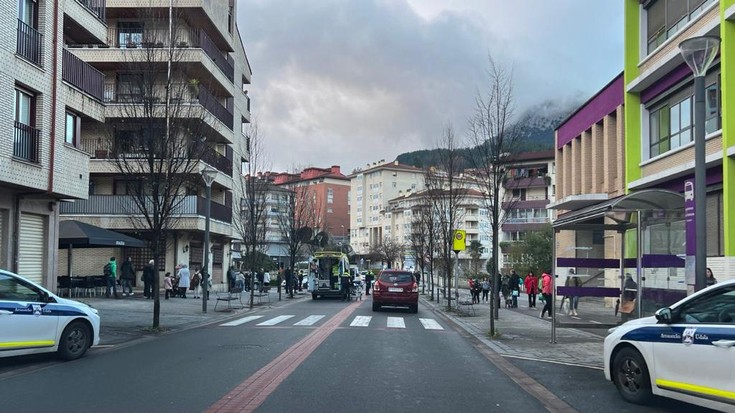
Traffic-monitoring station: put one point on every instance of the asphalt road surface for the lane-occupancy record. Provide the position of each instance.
(309, 356)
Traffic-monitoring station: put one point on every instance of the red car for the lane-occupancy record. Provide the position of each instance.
(396, 288)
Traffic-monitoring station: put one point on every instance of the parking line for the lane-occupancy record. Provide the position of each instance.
(396, 322)
(241, 321)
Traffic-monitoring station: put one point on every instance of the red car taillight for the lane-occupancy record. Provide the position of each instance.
(415, 288)
(376, 286)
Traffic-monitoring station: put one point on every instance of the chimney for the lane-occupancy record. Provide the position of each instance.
(395, 163)
(335, 170)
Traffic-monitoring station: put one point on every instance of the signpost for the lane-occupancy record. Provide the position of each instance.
(458, 244)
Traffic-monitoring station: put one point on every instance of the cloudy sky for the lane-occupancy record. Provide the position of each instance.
(348, 82)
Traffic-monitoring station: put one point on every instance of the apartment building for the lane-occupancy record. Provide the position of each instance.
(40, 163)
(590, 161)
(325, 191)
(125, 63)
(371, 190)
(277, 222)
(528, 189)
(401, 226)
(659, 117)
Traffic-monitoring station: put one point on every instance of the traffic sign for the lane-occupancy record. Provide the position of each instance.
(460, 236)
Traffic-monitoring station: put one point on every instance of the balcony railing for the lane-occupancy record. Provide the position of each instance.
(82, 75)
(210, 102)
(30, 43)
(224, 62)
(97, 7)
(124, 205)
(25, 142)
(220, 162)
(526, 182)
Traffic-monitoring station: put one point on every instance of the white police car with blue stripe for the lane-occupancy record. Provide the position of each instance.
(684, 352)
(35, 320)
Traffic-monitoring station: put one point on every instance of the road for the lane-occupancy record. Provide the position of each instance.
(310, 356)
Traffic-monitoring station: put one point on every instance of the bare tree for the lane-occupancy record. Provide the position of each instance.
(252, 191)
(158, 130)
(495, 137)
(393, 250)
(423, 233)
(446, 191)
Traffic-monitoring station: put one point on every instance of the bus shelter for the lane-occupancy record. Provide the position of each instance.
(627, 254)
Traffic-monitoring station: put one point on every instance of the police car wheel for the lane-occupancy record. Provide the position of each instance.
(74, 341)
(630, 374)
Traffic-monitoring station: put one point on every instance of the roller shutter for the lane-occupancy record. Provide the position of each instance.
(32, 247)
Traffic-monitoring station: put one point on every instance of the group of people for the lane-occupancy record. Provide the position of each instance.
(127, 278)
(477, 287)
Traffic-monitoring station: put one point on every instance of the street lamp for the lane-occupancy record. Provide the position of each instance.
(699, 53)
(208, 174)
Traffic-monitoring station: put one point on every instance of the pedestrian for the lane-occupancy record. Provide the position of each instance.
(546, 290)
(259, 277)
(711, 280)
(148, 276)
(240, 281)
(368, 282)
(231, 274)
(476, 288)
(110, 271)
(574, 298)
(184, 278)
(485, 289)
(630, 293)
(531, 284)
(127, 276)
(345, 285)
(515, 287)
(196, 283)
(167, 285)
(266, 279)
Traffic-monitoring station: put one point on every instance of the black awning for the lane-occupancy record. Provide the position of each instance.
(82, 235)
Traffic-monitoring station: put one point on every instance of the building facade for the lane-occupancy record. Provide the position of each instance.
(529, 188)
(205, 95)
(324, 193)
(659, 105)
(371, 190)
(40, 162)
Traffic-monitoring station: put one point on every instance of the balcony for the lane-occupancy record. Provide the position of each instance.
(25, 142)
(29, 44)
(527, 182)
(97, 7)
(210, 102)
(82, 75)
(220, 162)
(124, 205)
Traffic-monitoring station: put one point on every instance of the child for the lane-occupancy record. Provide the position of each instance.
(168, 284)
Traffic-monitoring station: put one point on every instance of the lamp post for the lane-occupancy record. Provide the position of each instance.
(208, 174)
(699, 53)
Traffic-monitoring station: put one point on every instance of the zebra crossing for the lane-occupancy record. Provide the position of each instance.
(359, 321)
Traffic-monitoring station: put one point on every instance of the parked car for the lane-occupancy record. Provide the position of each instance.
(35, 320)
(396, 288)
(684, 352)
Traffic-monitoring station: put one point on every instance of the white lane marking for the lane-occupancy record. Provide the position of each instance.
(396, 322)
(241, 321)
(361, 321)
(593, 321)
(276, 320)
(310, 320)
(430, 324)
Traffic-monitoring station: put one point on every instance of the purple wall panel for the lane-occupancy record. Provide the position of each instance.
(592, 112)
(662, 85)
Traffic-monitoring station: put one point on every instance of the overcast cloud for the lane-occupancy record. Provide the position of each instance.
(338, 82)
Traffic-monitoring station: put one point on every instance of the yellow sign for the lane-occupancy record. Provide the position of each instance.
(459, 240)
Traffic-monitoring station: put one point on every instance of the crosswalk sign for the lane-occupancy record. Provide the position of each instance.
(458, 243)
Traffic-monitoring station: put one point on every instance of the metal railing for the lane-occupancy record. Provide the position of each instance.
(220, 162)
(82, 75)
(223, 61)
(125, 205)
(210, 102)
(30, 43)
(25, 142)
(97, 7)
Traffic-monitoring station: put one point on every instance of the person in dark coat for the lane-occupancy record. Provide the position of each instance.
(368, 282)
(515, 287)
(148, 275)
(127, 277)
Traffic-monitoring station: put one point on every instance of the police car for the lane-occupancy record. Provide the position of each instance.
(35, 320)
(684, 352)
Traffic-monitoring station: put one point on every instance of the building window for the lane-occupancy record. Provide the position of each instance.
(713, 108)
(25, 136)
(73, 128)
(329, 210)
(670, 127)
(129, 34)
(330, 195)
(665, 18)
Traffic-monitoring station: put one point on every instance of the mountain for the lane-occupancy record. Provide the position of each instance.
(539, 122)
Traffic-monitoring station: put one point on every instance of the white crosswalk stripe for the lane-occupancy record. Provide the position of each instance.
(361, 321)
(310, 320)
(241, 321)
(396, 322)
(430, 324)
(276, 320)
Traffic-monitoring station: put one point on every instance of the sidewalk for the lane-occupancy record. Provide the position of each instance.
(130, 318)
(523, 334)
